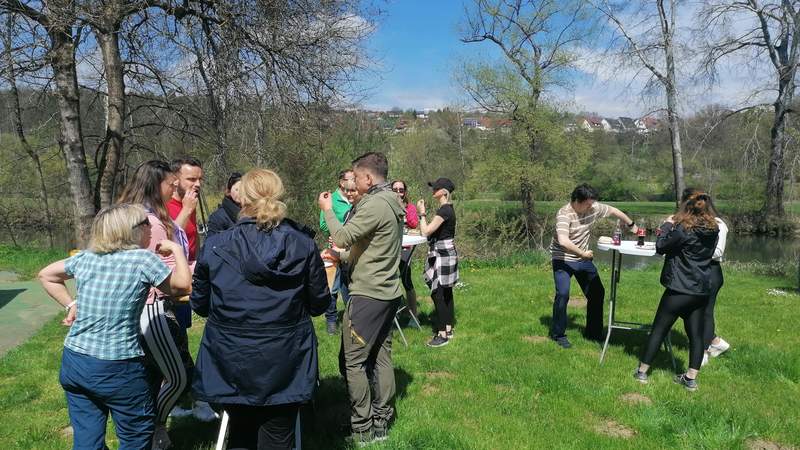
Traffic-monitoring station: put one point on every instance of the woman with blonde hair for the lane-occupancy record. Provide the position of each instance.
(687, 240)
(102, 368)
(258, 284)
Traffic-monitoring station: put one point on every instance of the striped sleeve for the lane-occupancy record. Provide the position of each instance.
(602, 209)
(562, 222)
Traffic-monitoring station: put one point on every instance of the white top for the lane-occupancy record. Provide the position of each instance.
(723, 236)
(630, 248)
(411, 240)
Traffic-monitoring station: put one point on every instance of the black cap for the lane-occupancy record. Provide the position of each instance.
(442, 183)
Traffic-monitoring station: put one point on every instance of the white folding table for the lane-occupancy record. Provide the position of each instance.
(626, 248)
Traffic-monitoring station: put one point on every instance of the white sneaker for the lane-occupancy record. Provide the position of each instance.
(202, 411)
(718, 349)
(705, 359)
(161, 439)
(178, 412)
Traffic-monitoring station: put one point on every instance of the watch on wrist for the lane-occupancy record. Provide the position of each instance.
(630, 225)
(71, 304)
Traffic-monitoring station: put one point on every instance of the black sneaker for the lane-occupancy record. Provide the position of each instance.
(438, 341)
(450, 333)
(562, 341)
(641, 377)
(688, 383)
(331, 328)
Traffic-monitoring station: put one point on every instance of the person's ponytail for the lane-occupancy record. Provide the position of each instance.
(261, 191)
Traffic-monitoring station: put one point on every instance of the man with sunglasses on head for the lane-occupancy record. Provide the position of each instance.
(341, 206)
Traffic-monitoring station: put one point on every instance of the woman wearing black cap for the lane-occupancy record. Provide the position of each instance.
(441, 264)
(228, 212)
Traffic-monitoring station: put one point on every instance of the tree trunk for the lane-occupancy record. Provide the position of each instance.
(773, 204)
(526, 192)
(62, 60)
(111, 151)
(675, 138)
(670, 86)
(16, 119)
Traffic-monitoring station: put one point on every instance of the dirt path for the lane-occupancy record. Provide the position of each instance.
(24, 308)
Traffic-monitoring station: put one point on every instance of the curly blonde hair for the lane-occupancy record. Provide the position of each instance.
(261, 192)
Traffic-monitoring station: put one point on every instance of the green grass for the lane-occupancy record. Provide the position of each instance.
(499, 385)
(27, 262)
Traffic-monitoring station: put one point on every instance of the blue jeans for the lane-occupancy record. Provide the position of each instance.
(95, 387)
(338, 287)
(586, 274)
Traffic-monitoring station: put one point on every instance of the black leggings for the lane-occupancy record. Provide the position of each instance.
(445, 307)
(688, 307)
(262, 427)
(716, 280)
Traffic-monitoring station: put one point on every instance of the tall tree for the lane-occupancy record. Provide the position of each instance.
(648, 32)
(57, 18)
(771, 30)
(538, 40)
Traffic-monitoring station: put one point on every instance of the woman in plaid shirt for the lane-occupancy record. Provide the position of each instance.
(102, 369)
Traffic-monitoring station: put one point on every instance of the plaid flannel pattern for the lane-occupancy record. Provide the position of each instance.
(441, 264)
(112, 289)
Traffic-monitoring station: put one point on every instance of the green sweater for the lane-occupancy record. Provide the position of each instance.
(374, 235)
(340, 208)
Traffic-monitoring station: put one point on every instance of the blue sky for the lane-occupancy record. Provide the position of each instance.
(416, 44)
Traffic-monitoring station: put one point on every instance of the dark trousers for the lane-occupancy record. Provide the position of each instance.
(709, 329)
(688, 307)
(588, 278)
(445, 307)
(366, 361)
(96, 387)
(261, 427)
(339, 286)
(405, 269)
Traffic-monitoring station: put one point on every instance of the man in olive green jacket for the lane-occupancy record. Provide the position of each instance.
(372, 238)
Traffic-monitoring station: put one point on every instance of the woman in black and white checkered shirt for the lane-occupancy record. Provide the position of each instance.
(441, 264)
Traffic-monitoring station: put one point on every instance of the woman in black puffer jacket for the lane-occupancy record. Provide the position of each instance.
(687, 242)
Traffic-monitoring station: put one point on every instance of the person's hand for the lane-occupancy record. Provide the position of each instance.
(71, 315)
(587, 255)
(190, 200)
(331, 255)
(166, 247)
(635, 229)
(421, 207)
(325, 201)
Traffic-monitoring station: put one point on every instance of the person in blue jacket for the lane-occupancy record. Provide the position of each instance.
(258, 284)
(227, 214)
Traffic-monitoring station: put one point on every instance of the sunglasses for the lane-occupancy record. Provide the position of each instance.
(145, 221)
(399, 190)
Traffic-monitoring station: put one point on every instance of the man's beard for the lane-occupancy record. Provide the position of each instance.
(181, 191)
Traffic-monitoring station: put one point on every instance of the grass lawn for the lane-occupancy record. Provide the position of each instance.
(501, 384)
(26, 262)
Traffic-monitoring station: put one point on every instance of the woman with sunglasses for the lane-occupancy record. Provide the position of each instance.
(102, 367)
(441, 263)
(152, 186)
(412, 222)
